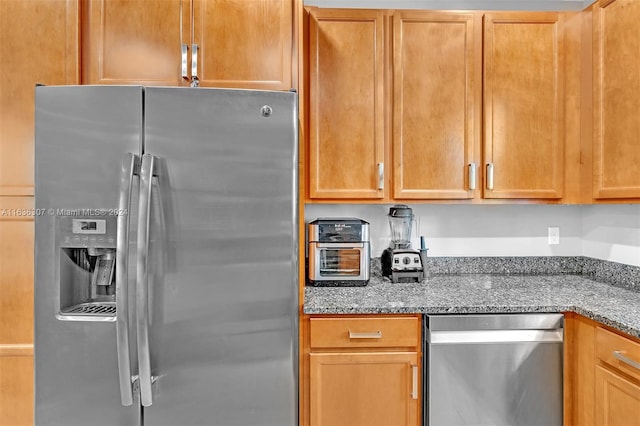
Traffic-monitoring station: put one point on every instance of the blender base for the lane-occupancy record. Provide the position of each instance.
(407, 276)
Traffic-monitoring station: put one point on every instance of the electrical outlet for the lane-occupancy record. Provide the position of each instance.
(554, 235)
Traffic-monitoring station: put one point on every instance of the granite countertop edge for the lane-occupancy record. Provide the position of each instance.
(613, 306)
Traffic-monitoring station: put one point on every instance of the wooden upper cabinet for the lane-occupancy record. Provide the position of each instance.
(412, 116)
(523, 105)
(135, 42)
(346, 104)
(436, 101)
(240, 43)
(38, 44)
(616, 101)
(244, 43)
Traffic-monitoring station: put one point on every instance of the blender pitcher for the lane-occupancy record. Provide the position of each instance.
(400, 221)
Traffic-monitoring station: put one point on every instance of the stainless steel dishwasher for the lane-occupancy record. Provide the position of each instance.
(494, 369)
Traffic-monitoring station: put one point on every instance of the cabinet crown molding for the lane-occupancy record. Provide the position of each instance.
(531, 5)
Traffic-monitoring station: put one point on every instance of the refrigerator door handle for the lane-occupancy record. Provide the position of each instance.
(142, 278)
(130, 164)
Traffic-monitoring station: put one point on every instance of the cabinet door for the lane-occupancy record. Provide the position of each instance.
(135, 42)
(436, 69)
(346, 104)
(16, 389)
(364, 389)
(244, 43)
(579, 371)
(616, 101)
(16, 310)
(38, 44)
(617, 399)
(523, 105)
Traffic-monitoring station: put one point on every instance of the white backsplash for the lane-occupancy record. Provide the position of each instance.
(612, 232)
(607, 232)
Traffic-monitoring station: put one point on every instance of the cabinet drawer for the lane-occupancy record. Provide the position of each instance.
(618, 352)
(364, 332)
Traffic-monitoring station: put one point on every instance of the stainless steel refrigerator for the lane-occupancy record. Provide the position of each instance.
(166, 256)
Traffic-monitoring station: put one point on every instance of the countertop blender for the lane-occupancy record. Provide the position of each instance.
(400, 262)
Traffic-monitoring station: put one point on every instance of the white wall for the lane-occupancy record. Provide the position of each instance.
(612, 232)
(607, 232)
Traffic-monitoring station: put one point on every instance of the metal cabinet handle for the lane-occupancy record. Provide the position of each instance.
(624, 359)
(472, 176)
(380, 176)
(489, 175)
(195, 81)
(142, 281)
(185, 68)
(130, 164)
(371, 335)
(414, 382)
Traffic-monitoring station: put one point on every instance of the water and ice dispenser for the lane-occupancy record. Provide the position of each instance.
(86, 267)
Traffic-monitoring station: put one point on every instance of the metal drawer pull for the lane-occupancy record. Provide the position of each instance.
(372, 335)
(472, 176)
(489, 175)
(414, 388)
(185, 74)
(195, 81)
(628, 361)
(380, 176)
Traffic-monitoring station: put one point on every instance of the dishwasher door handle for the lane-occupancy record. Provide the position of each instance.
(494, 336)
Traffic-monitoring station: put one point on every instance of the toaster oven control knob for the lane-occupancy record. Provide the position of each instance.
(406, 260)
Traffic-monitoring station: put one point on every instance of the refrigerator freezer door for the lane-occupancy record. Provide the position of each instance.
(82, 134)
(222, 262)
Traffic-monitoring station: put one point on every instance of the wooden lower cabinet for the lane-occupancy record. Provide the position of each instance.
(16, 311)
(38, 44)
(16, 386)
(601, 389)
(364, 389)
(364, 371)
(579, 350)
(617, 399)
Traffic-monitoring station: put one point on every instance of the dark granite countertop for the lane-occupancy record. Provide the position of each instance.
(614, 306)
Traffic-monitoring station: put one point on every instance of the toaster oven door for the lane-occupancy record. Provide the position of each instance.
(337, 261)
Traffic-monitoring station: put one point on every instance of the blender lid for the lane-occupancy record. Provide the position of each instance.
(400, 210)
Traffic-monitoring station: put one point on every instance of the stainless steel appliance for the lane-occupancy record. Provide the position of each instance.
(166, 272)
(339, 252)
(494, 369)
(399, 261)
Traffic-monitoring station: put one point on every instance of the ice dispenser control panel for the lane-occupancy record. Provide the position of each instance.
(86, 249)
(86, 232)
